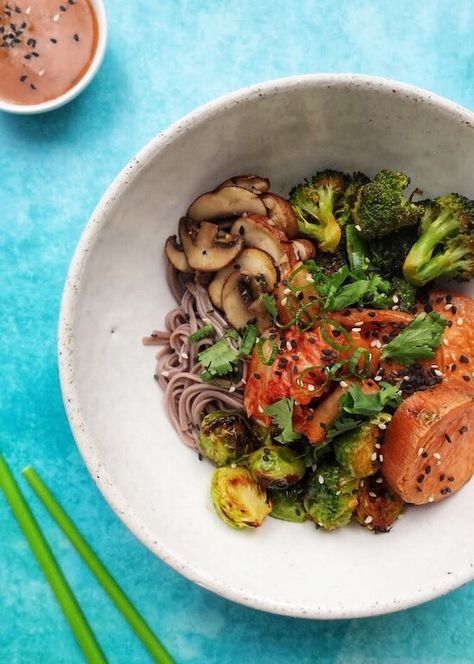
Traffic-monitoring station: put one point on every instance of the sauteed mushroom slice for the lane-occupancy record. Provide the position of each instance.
(176, 256)
(239, 304)
(257, 232)
(281, 214)
(207, 249)
(226, 202)
(254, 183)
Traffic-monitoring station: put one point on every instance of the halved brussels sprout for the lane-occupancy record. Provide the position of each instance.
(330, 497)
(287, 504)
(379, 507)
(261, 433)
(225, 437)
(238, 499)
(276, 467)
(357, 451)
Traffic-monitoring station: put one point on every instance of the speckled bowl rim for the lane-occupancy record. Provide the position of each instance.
(82, 83)
(66, 349)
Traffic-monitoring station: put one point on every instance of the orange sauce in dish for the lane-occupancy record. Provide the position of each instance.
(46, 47)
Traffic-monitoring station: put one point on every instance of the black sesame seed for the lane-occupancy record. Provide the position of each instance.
(454, 310)
(466, 378)
(28, 56)
(257, 376)
(450, 478)
(448, 437)
(76, 37)
(32, 86)
(62, 8)
(241, 230)
(442, 477)
(453, 367)
(449, 298)
(35, 54)
(200, 457)
(311, 340)
(420, 479)
(427, 470)
(55, 41)
(419, 489)
(463, 429)
(428, 308)
(23, 78)
(464, 359)
(424, 455)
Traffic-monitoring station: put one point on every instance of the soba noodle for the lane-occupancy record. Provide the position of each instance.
(187, 397)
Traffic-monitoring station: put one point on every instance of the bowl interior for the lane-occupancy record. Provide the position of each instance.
(116, 293)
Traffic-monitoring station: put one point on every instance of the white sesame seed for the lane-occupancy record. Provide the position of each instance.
(377, 378)
(395, 307)
(356, 329)
(41, 72)
(260, 409)
(232, 388)
(359, 322)
(382, 426)
(372, 494)
(299, 382)
(287, 291)
(438, 372)
(437, 455)
(379, 480)
(185, 356)
(420, 451)
(395, 299)
(358, 227)
(373, 343)
(289, 346)
(430, 499)
(309, 279)
(378, 344)
(233, 465)
(460, 321)
(56, 18)
(448, 307)
(28, 10)
(434, 366)
(446, 342)
(283, 301)
(369, 519)
(343, 383)
(373, 456)
(378, 446)
(311, 388)
(338, 493)
(380, 458)
(243, 381)
(165, 374)
(361, 483)
(321, 479)
(406, 378)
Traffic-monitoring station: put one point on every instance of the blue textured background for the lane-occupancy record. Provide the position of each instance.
(164, 59)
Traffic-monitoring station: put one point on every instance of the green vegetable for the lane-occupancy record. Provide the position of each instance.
(202, 333)
(98, 569)
(221, 358)
(387, 254)
(53, 573)
(248, 340)
(330, 497)
(224, 437)
(270, 305)
(355, 407)
(287, 504)
(238, 500)
(417, 341)
(378, 506)
(354, 183)
(267, 350)
(281, 413)
(357, 253)
(404, 293)
(381, 206)
(355, 450)
(445, 247)
(317, 204)
(276, 467)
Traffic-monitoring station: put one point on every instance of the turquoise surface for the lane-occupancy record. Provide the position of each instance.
(164, 59)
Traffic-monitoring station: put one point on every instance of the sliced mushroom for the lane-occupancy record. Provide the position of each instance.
(226, 202)
(281, 213)
(239, 305)
(257, 232)
(253, 262)
(304, 249)
(176, 256)
(206, 249)
(253, 183)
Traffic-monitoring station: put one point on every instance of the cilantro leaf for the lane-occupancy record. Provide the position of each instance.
(356, 406)
(417, 341)
(281, 413)
(219, 359)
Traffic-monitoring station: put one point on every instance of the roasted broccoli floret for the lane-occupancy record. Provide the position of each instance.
(387, 254)
(330, 497)
(317, 205)
(445, 247)
(354, 183)
(381, 206)
(403, 294)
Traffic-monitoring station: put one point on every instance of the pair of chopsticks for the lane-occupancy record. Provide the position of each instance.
(58, 582)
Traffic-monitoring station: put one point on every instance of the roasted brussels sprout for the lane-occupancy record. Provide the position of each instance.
(225, 437)
(378, 507)
(261, 433)
(357, 451)
(276, 467)
(287, 504)
(331, 497)
(238, 499)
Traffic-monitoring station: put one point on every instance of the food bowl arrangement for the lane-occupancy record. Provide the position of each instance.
(117, 291)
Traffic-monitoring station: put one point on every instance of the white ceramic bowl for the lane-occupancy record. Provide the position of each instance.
(72, 93)
(116, 292)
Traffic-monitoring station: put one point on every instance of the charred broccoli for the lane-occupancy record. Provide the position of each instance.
(354, 183)
(381, 206)
(445, 247)
(317, 205)
(403, 294)
(387, 254)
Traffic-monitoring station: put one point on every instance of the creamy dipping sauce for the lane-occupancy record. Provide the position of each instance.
(46, 47)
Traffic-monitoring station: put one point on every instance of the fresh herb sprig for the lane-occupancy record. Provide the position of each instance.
(281, 413)
(418, 341)
(221, 358)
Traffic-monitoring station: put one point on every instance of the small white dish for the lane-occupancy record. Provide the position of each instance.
(72, 93)
(116, 292)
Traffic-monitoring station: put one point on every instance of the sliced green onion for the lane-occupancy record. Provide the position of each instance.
(98, 569)
(297, 289)
(248, 340)
(329, 339)
(270, 305)
(354, 361)
(266, 360)
(301, 325)
(53, 573)
(202, 333)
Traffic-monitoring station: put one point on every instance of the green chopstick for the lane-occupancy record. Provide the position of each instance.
(53, 573)
(103, 576)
